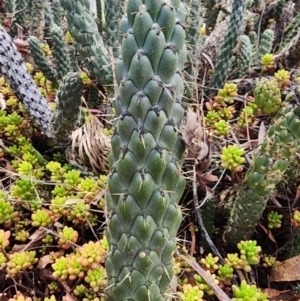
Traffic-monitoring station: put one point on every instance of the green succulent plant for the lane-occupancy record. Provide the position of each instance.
(248, 292)
(232, 157)
(274, 220)
(267, 96)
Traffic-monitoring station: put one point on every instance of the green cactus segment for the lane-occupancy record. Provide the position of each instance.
(266, 43)
(278, 9)
(212, 11)
(48, 20)
(20, 13)
(60, 51)
(15, 71)
(291, 31)
(73, 59)
(245, 55)
(57, 12)
(89, 43)
(113, 14)
(145, 184)
(37, 19)
(10, 6)
(100, 18)
(68, 101)
(229, 43)
(40, 59)
(254, 42)
(193, 22)
(94, 96)
(269, 164)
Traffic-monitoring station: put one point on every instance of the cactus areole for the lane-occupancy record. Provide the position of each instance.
(145, 184)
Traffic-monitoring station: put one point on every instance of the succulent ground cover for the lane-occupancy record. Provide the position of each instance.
(149, 150)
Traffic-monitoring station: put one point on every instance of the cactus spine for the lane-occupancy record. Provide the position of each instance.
(229, 43)
(269, 164)
(145, 184)
(89, 43)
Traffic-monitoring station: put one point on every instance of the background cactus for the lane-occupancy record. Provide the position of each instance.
(56, 12)
(68, 101)
(146, 154)
(14, 70)
(113, 14)
(266, 42)
(245, 55)
(37, 18)
(228, 44)
(19, 17)
(40, 59)
(270, 163)
(60, 51)
(89, 43)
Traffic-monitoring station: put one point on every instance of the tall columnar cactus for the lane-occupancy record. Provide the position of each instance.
(89, 43)
(266, 43)
(60, 51)
(56, 12)
(113, 14)
(40, 59)
(270, 162)
(13, 68)
(37, 18)
(228, 44)
(68, 101)
(145, 184)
